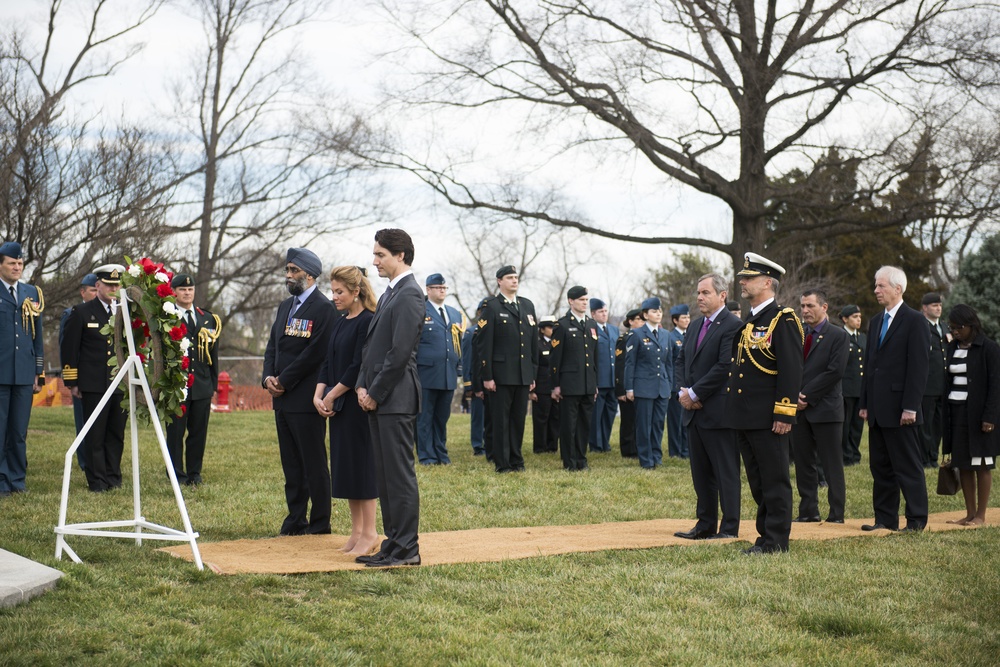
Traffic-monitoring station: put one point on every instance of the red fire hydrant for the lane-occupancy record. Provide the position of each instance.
(223, 404)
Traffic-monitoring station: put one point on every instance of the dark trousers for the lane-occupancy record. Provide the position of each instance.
(15, 412)
(853, 427)
(765, 456)
(823, 441)
(81, 451)
(487, 427)
(195, 422)
(677, 442)
(544, 424)
(649, 416)
(896, 462)
(396, 480)
(575, 413)
(603, 419)
(432, 426)
(626, 430)
(302, 445)
(476, 416)
(105, 441)
(508, 409)
(932, 428)
(715, 472)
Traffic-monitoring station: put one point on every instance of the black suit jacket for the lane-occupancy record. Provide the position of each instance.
(294, 354)
(855, 371)
(896, 371)
(85, 350)
(822, 372)
(507, 342)
(574, 356)
(937, 353)
(705, 369)
(389, 355)
(204, 355)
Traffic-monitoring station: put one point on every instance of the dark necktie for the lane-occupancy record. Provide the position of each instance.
(13, 294)
(189, 320)
(885, 327)
(514, 305)
(291, 311)
(704, 330)
(443, 318)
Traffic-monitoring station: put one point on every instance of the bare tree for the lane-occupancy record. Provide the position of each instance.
(718, 96)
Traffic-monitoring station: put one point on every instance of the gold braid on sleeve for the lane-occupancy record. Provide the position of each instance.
(30, 310)
(207, 338)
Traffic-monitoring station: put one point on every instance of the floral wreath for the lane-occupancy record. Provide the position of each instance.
(160, 338)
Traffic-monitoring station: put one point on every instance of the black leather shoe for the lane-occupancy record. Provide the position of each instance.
(694, 534)
(722, 536)
(293, 532)
(916, 528)
(753, 551)
(834, 521)
(807, 519)
(380, 555)
(395, 562)
(878, 526)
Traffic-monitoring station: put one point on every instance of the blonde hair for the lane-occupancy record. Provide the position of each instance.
(352, 278)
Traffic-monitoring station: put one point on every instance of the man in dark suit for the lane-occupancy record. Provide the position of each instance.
(677, 435)
(294, 354)
(853, 375)
(626, 425)
(544, 419)
(85, 352)
(574, 378)
(932, 406)
(389, 391)
(203, 331)
(606, 404)
(701, 372)
(763, 396)
(21, 365)
(819, 429)
(891, 397)
(507, 347)
(439, 364)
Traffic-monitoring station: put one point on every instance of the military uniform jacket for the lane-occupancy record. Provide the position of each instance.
(620, 346)
(439, 353)
(21, 356)
(469, 366)
(85, 350)
(676, 341)
(507, 341)
(937, 356)
(855, 371)
(296, 349)
(766, 375)
(543, 382)
(705, 369)
(606, 339)
(204, 355)
(574, 356)
(648, 373)
(822, 372)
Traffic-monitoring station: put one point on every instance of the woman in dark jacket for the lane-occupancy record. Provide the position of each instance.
(973, 410)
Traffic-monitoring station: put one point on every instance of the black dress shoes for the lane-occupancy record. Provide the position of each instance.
(834, 521)
(722, 536)
(878, 526)
(395, 562)
(695, 534)
(806, 519)
(364, 560)
(913, 528)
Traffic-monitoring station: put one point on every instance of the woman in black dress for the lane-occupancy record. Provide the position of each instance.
(973, 410)
(352, 463)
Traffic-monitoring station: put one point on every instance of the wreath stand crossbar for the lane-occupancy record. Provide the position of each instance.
(132, 368)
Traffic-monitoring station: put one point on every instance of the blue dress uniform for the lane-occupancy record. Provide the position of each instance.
(606, 404)
(626, 425)
(574, 372)
(439, 364)
(764, 386)
(477, 407)
(649, 376)
(677, 437)
(20, 367)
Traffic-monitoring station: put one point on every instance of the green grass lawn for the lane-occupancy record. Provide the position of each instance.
(906, 599)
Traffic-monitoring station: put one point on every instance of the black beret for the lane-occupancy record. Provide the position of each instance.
(576, 292)
(506, 271)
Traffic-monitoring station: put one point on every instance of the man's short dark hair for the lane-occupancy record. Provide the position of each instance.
(819, 294)
(396, 241)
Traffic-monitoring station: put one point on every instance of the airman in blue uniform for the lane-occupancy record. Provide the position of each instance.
(677, 441)
(88, 292)
(21, 369)
(439, 365)
(474, 391)
(626, 426)
(648, 380)
(606, 404)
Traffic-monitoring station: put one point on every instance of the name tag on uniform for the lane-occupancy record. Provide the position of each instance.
(545, 353)
(299, 328)
(93, 325)
(504, 315)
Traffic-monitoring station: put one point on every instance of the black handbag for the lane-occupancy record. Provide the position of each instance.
(948, 484)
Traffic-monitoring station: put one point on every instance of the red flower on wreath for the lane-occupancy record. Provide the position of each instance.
(184, 409)
(163, 290)
(178, 331)
(190, 380)
(142, 357)
(137, 323)
(148, 266)
(185, 363)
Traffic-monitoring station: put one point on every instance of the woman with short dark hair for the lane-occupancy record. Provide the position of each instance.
(973, 410)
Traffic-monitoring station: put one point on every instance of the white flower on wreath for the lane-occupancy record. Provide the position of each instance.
(184, 394)
(135, 270)
(185, 345)
(161, 276)
(170, 308)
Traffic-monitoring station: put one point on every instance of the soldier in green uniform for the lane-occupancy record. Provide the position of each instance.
(763, 390)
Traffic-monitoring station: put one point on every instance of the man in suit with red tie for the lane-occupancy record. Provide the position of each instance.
(891, 397)
(388, 390)
(819, 428)
(701, 372)
(294, 354)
